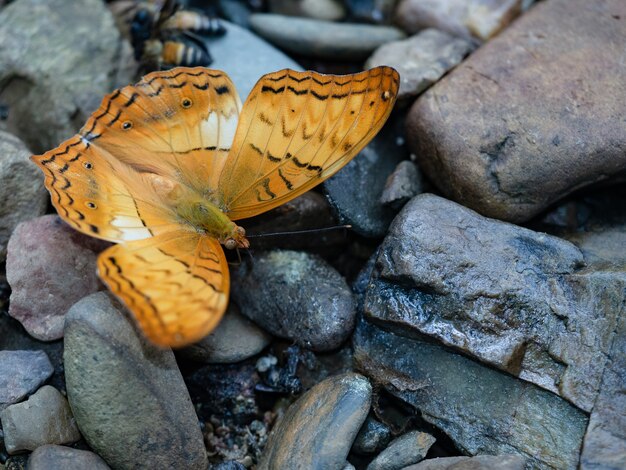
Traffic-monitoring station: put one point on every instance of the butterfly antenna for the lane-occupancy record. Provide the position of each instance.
(298, 232)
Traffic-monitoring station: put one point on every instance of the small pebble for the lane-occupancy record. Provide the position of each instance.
(403, 184)
(408, 449)
(45, 418)
(373, 437)
(21, 373)
(53, 457)
(323, 39)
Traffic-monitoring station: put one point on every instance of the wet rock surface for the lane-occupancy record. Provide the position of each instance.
(481, 409)
(53, 457)
(21, 188)
(421, 60)
(236, 338)
(128, 396)
(21, 373)
(323, 39)
(405, 450)
(519, 300)
(55, 70)
(297, 296)
(355, 192)
(45, 418)
(478, 19)
(480, 462)
(46, 256)
(531, 116)
(300, 439)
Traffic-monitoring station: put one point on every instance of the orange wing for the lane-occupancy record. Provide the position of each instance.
(175, 284)
(298, 128)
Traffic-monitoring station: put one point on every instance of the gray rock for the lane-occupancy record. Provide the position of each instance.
(605, 442)
(21, 373)
(49, 267)
(235, 11)
(323, 39)
(519, 300)
(421, 60)
(319, 428)
(478, 19)
(355, 191)
(373, 437)
(500, 137)
(128, 396)
(45, 418)
(330, 10)
(481, 409)
(403, 184)
(371, 11)
(480, 462)
(408, 449)
(236, 338)
(297, 296)
(51, 457)
(21, 188)
(57, 60)
(245, 57)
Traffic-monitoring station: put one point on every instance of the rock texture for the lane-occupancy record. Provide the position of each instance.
(531, 116)
(297, 296)
(481, 409)
(420, 60)
(323, 39)
(403, 184)
(519, 300)
(21, 373)
(49, 267)
(479, 19)
(318, 429)
(45, 418)
(128, 396)
(480, 462)
(373, 437)
(57, 59)
(21, 188)
(408, 449)
(52, 457)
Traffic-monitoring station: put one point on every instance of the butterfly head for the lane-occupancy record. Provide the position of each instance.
(236, 239)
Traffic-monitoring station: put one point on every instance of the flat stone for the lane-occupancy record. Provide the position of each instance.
(50, 266)
(45, 418)
(297, 296)
(236, 338)
(355, 192)
(408, 449)
(52, 457)
(21, 188)
(245, 57)
(481, 409)
(480, 462)
(57, 60)
(21, 373)
(605, 441)
(323, 39)
(373, 437)
(516, 299)
(329, 10)
(478, 19)
(128, 396)
(532, 115)
(317, 430)
(421, 60)
(403, 184)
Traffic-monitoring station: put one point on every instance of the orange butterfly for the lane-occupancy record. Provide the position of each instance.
(164, 167)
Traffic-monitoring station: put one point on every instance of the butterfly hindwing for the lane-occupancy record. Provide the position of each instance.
(298, 128)
(176, 284)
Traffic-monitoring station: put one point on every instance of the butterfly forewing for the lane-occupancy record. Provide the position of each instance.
(298, 128)
(176, 284)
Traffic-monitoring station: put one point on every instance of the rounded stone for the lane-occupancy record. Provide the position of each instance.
(408, 449)
(53, 457)
(128, 396)
(298, 296)
(317, 430)
(21, 373)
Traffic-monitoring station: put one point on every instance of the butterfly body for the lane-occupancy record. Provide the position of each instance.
(164, 168)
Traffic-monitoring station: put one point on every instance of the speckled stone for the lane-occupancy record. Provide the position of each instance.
(317, 430)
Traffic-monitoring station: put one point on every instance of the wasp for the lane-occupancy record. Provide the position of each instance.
(164, 35)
